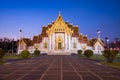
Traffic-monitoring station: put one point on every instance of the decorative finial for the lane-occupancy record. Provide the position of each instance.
(98, 33)
(20, 30)
(59, 13)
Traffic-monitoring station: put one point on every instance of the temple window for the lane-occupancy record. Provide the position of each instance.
(45, 45)
(74, 45)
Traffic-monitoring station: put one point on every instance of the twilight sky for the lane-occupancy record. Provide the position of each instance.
(31, 15)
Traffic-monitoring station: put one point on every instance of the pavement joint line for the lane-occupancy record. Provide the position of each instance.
(16, 70)
(48, 68)
(75, 69)
(13, 72)
(28, 72)
(20, 71)
(91, 72)
(61, 69)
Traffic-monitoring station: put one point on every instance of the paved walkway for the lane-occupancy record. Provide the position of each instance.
(59, 67)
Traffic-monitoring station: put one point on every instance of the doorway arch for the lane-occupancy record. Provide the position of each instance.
(59, 43)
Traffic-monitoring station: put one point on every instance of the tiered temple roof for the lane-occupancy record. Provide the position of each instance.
(38, 39)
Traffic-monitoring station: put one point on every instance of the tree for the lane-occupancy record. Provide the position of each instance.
(2, 53)
(79, 52)
(25, 54)
(8, 44)
(110, 55)
(37, 52)
(88, 53)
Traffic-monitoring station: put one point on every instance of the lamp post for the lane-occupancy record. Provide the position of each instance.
(12, 46)
(107, 42)
(20, 38)
(114, 45)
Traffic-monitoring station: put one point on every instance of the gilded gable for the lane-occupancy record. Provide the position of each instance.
(59, 26)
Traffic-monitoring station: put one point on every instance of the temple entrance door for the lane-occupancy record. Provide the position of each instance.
(59, 45)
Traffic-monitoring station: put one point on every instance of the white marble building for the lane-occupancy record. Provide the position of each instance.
(59, 37)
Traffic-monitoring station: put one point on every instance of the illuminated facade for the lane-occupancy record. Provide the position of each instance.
(59, 37)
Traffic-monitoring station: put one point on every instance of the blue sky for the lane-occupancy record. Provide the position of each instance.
(31, 15)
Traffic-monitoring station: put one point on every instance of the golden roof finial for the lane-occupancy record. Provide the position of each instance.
(59, 13)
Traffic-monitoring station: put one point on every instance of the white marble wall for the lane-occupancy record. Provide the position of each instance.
(68, 43)
(21, 47)
(98, 48)
(74, 40)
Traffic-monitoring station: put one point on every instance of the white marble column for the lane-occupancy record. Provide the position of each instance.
(53, 42)
(69, 41)
(65, 41)
(50, 42)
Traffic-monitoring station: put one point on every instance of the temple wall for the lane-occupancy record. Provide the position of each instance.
(59, 40)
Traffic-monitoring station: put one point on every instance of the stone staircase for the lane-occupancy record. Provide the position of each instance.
(58, 53)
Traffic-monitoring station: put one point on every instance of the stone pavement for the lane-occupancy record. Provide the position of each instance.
(57, 67)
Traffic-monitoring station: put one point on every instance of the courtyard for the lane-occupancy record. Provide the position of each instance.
(57, 67)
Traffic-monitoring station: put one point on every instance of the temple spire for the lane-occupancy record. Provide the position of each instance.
(59, 13)
(59, 18)
(98, 34)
